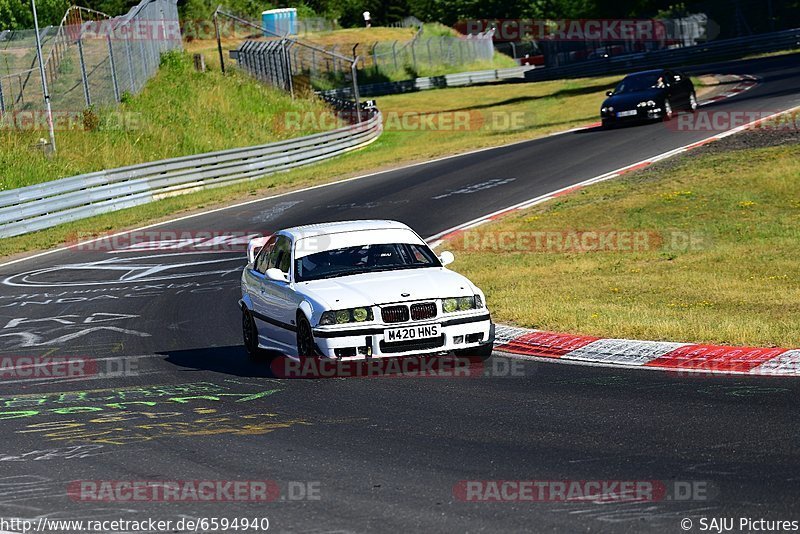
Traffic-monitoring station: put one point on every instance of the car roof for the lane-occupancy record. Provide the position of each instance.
(300, 232)
(643, 72)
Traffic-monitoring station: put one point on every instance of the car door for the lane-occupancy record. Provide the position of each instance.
(256, 284)
(279, 296)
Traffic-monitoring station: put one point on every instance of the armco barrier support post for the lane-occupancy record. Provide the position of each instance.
(113, 66)
(84, 78)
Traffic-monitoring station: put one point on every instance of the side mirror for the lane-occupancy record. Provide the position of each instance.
(609, 93)
(254, 247)
(447, 257)
(276, 275)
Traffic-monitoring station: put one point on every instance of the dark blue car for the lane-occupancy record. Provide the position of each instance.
(648, 95)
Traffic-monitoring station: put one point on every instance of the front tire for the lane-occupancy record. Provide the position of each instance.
(305, 337)
(668, 111)
(250, 334)
(692, 102)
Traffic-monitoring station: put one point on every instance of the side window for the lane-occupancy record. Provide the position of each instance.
(263, 255)
(280, 257)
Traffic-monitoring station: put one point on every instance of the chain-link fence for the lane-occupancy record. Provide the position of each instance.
(90, 59)
(429, 52)
(318, 68)
(291, 64)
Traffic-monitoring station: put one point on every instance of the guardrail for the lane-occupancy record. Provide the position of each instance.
(45, 205)
(433, 82)
(675, 57)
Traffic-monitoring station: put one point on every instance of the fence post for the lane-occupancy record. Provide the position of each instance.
(85, 79)
(430, 56)
(413, 55)
(142, 58)
(513, 49)
(375, 56)
(219, 42)
(313, 62)
(113, 68)
(356, 96)
(288, 65)
(21, 89)
(2, 100)
(130, 61)
(394, 54)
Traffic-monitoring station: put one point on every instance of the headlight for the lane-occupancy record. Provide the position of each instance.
(357, 315)
(648, 104)
(450, 305)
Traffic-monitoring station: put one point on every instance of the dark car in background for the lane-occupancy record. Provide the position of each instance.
(648, 95)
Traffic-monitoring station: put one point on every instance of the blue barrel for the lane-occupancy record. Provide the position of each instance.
(279, 21)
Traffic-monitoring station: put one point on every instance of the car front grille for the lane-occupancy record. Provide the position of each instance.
(423, 310)
(394, 314)
(414, 344)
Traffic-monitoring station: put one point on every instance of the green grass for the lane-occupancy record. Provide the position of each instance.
(543, 107)
(180, 112)
(736, 283)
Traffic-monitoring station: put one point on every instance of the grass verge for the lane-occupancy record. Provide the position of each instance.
(180, 112)
(716, 262)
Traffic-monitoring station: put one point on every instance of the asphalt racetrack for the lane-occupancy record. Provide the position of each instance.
(374, 455)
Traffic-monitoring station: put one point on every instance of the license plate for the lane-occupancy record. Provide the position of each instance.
(409, 333)
(626, 113)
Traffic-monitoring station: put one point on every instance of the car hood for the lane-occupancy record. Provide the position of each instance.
(387, 287)
(629, 100)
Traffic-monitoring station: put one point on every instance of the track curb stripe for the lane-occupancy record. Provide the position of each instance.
(664, 355)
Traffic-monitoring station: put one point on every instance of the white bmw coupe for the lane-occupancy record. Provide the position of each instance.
(357, 290)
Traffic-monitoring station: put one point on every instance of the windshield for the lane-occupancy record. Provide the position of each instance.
(364, 259)
(641, 82)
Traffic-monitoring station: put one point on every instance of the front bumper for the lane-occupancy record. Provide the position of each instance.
(642, 114)
(457, 333)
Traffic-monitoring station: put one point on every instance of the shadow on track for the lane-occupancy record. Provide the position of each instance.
(230, 360)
